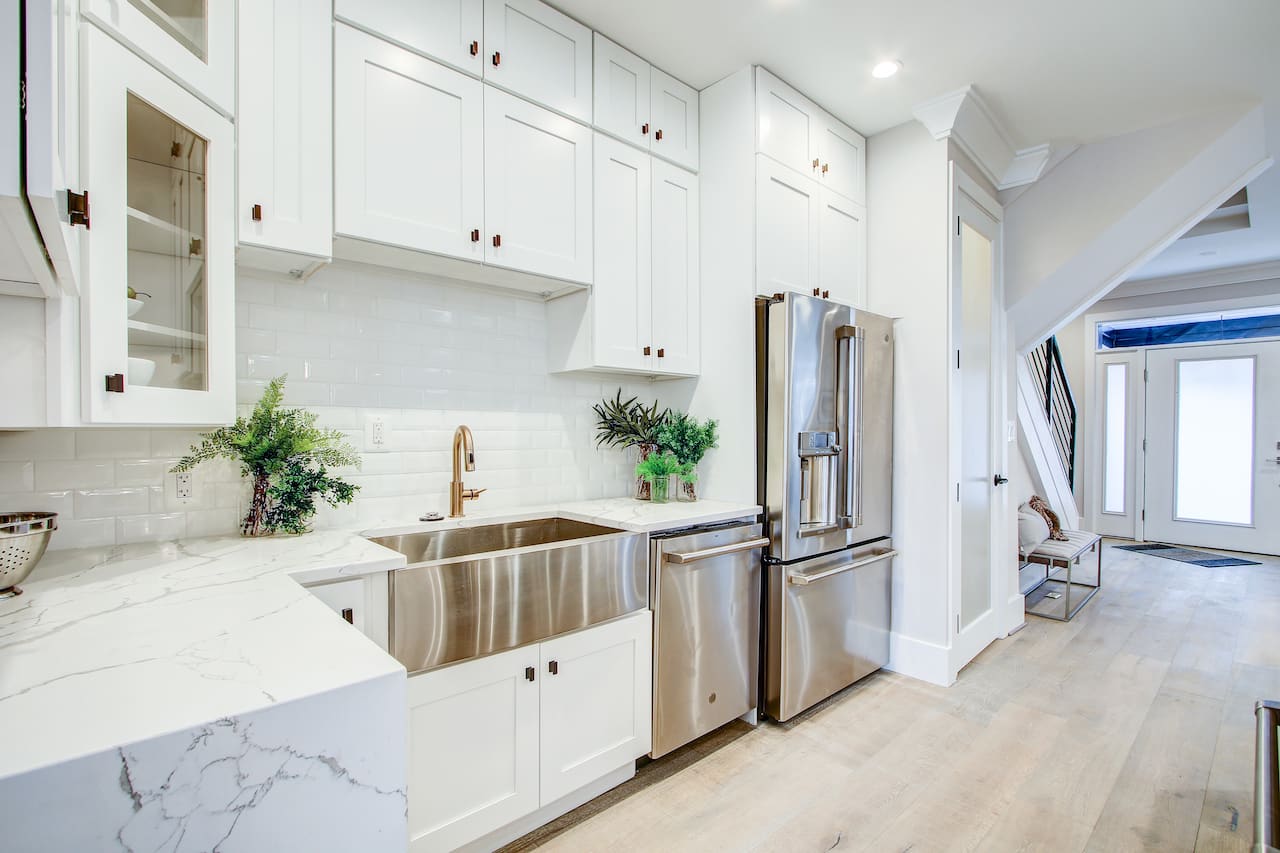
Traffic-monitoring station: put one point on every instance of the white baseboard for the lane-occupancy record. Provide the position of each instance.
(1015, 614)
(920, 659)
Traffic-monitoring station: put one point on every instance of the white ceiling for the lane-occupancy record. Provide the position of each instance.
(1052, 71)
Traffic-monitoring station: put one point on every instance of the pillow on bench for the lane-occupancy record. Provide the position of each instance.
(1033, 530)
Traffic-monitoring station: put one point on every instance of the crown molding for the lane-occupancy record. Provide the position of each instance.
(1244, 274)
(964, 118)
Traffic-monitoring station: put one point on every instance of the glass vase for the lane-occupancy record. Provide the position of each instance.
(688, 490)
(642, 485)
(660, 489)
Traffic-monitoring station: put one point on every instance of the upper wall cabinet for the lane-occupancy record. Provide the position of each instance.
(284, 127)
(643, 106)
(537, 189)
(158, 307)
(409, 149)
(842, 248)
(193, 41)
(451, 31)
(535, 51)
(802, 136)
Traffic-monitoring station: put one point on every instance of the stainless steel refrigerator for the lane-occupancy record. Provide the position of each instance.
(824, 379)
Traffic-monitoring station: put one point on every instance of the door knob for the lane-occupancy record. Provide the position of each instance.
(999, 480)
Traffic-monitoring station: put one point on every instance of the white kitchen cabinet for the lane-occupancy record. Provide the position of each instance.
(787, 124)
(842, 157)
(497, 744)
(360, 601)
(622, 93)
(643, 312)
(674, 109)
(595, 703)
(788, 212)
(473, 748)
(842, 249)
(537, 189)
(535, 51)
(449, 31)
(192, 41)
(284, 134)
(159, 166)
(677, 293)
(408, 149)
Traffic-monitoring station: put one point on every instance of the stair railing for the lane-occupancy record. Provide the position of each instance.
(1057, 402)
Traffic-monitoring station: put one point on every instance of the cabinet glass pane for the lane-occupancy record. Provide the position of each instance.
(1116, 428)
(167, 311)
(1214, 445)
(187, 21)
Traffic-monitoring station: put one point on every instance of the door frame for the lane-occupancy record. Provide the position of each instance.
(966, 642)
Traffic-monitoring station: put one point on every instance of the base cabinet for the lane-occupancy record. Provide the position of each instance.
(495, 740)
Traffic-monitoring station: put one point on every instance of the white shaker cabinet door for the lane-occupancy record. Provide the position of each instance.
(284, 152)
(473, 748)
(842, 263)
(621, 297)
(787, 231)
(535, 51)
(788, 124)
(674, 107)
(677, 298)
(842, 155)
(622, 91)
(408, 149)
(448, 30)
(596, 703)
(537, 189)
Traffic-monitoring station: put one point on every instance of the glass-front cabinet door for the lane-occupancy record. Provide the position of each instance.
(158, 312)
(192, 40)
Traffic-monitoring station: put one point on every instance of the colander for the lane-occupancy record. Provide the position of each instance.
(23, 538)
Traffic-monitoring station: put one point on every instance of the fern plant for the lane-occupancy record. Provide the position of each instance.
(288, 458)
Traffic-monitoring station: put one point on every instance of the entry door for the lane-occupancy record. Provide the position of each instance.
(1213, 447)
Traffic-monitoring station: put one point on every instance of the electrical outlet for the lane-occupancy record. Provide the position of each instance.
(375, 434)
(184, 488)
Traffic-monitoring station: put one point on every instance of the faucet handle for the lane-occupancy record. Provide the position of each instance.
(472, 494)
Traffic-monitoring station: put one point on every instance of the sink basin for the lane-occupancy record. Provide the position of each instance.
(474, 591)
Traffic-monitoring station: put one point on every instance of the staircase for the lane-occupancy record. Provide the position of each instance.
(1055, 399)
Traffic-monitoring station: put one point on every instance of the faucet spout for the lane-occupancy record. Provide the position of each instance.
(464, 457)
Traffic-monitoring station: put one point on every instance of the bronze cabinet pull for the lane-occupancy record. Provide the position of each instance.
(825, 166)
(529, 673)
(826, 294)
(115, 383)
(497, 240)
(658, 134)
(349, 615)
(475, 235)
(817, 292)
(815, 162)
(644, 129)
(475, 48)
(256, 213)
(661, 352)
(554, 667)
(648, 350)
(497, 57)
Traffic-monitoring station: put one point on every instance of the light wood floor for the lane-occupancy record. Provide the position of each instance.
(1129, 728)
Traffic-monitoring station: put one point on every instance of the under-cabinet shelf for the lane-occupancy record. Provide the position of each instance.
(154, 335)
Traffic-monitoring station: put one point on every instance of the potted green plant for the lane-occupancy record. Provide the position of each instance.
(629, 423)
(288, 458)
(688, 440)
(656, 469)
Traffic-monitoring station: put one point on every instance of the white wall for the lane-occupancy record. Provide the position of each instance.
(907, 188)
(355, 341)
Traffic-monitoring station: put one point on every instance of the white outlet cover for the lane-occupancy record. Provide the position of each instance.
(375, 434)
(184, 488)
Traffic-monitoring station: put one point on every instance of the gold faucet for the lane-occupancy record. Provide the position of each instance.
(464, 453)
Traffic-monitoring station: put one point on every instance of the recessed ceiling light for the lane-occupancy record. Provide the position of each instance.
(888, 68)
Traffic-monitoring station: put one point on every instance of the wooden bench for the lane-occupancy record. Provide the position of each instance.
(1057, 556)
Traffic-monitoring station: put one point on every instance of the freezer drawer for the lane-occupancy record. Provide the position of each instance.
(828, 626)
(706, 602)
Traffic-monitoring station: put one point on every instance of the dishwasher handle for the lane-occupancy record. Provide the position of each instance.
(717, 551)
(802, 578)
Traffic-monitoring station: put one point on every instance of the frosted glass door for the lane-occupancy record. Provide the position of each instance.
(1213, 436)
(1114, 491)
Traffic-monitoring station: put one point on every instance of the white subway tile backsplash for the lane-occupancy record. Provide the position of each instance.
(105, 503)
(155, 527)
(58, 474)
(17, 476)
(38, 444)
(142, 472)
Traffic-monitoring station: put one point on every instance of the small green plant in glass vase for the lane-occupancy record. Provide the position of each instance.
(656, 469)
(624, 424)
(287, 456)
(688, 440)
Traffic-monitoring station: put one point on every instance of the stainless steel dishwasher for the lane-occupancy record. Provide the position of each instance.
(705, 595)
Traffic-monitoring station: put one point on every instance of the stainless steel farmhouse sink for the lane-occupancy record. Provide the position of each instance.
(473, 591)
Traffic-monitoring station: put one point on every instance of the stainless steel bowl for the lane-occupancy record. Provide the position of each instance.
(23, 538)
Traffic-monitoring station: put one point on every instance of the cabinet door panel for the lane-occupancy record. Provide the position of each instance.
(622, 296)
(787, 127)
(787, 211)
(842, 152)
(842, 263)
(537, 189)
(408, 149)
(284, 127)
(676, 292)
(675, 120)
(537, 52)
(441, 29)
(473, 749)
(621, 93)
(596, 707)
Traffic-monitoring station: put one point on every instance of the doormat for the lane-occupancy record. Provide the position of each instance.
(1187, 555)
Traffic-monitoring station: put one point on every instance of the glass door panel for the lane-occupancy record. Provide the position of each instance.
(166, 304)
(1214, 446)
(1115, 453)
(186, 21)
(975, 408)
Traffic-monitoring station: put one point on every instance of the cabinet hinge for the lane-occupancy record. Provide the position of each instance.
(1144, 374)
(1144, 445)
(957, 359)
(957, 493)
(957, 234)
(78, 208)
(1143, 515)
(22, 96)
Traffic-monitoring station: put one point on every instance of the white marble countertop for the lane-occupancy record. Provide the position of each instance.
(113, 646)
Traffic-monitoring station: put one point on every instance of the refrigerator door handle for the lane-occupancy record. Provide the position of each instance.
(849, 418)
(717, 551)
(801, 578)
